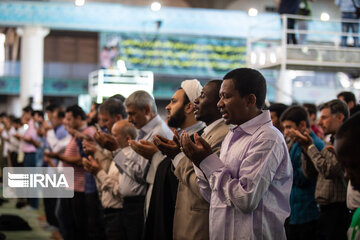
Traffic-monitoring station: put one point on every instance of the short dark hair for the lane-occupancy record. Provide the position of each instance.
(311, 108)
(295, 114)
(336, 106)
(53, 107)
(17, 121)
(118, 97)
(27, 109)
(38, 112)
(348, 96)
(278, 108)
(76, 111)
(113, 107)
(249, 81)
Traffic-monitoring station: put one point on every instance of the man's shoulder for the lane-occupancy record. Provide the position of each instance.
(162, 129)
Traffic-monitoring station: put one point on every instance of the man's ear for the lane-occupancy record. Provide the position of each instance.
(340, 117)
(189, 108)
(147, 110)
(118, 117)
(251, 99)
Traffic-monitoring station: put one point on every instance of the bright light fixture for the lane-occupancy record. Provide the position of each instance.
(253, 12)
(79, 3)
(155, 6)
(324, 17)
(121, 66)
(344, 80)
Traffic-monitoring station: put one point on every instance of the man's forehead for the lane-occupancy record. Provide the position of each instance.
(178, 94)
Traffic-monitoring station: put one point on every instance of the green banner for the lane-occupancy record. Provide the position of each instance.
(172, 54)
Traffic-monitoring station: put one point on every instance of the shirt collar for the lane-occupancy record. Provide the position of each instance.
(251, 126)
(151, 124)
(212, 125)
(193, 128)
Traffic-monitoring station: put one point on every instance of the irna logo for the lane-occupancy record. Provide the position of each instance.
(37, 180)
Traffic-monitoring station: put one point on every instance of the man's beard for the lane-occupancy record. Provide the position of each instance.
(177, 119)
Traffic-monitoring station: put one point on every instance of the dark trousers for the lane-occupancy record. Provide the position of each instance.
(114, 218)
(50, 206)
(133, 211)
(95, 223)
(291, 37)
(334, 221)
(14, 159)
(30, 161)
(305, 231)
(72, 217)
(65, 219)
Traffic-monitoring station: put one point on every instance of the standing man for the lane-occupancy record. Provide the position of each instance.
(330, 191)
(142, 113)
(350, 100)
(348, 12)
(302, 224)
(191, 219)
(249, 184)
(162, 197)
(72, 213)
(29, 144)
(290, 7)
(109, 182)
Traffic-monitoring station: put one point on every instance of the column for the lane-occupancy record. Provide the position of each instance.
(32, 65)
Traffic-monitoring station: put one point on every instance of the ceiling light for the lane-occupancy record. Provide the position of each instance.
(253, 12)
(324, 17)
(79, 3)
(155, 6)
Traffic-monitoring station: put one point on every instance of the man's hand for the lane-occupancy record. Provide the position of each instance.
(17, 136)
(89, 146)
(331, 149)
(195, 152)
(303, 139)
(168, 147)
(49, 161)
(106, 140)
(51, 155)
(144, 148)
(92, 165)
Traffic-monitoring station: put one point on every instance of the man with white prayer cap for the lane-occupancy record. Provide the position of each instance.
(160, 213)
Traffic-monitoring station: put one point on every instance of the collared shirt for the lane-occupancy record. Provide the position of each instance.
(30, 132)
(109, 186)
(133, 166)
(249, 185)
(190, 130)
(302, 197)
(72, 149)
(331, 185)
(211, 126)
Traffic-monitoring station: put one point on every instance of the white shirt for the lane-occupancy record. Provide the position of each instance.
(109, 187)
(133, 166)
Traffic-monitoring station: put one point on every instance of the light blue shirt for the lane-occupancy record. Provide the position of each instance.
(249, 185)
(133, 166)
(347, 5)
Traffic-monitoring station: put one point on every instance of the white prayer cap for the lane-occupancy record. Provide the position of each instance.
(192, 89)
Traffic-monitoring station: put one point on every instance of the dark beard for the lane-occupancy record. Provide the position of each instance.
(176, 120)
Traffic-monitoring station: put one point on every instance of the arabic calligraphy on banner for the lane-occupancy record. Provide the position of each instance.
(174, 54)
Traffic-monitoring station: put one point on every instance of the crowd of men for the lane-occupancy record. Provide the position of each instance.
(221, 166)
